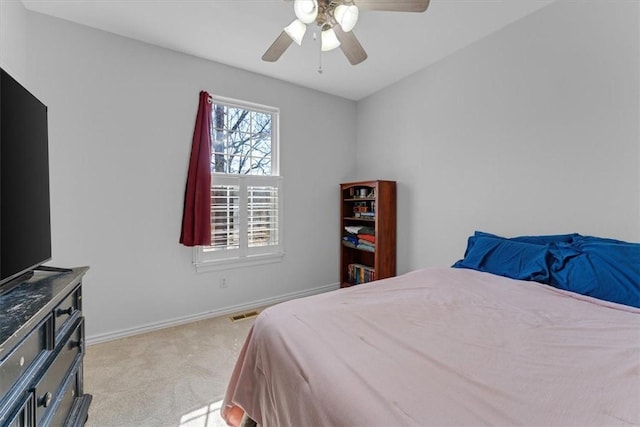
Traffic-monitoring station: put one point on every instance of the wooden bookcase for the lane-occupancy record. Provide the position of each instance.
(369, 204)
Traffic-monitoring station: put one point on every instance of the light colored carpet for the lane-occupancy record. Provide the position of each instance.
(175, 377)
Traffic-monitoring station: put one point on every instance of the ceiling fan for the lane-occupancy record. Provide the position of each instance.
(336, 19)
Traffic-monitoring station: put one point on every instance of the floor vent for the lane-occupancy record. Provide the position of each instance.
(242, 316)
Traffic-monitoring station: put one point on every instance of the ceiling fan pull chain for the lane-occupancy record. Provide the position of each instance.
(319, 55)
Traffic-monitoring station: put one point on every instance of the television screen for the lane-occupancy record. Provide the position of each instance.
(25, 228)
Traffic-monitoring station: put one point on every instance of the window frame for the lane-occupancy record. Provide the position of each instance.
(209, 260)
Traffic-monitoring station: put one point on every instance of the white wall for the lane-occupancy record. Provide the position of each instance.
(121, 117)
(532, 130)
(13, 39)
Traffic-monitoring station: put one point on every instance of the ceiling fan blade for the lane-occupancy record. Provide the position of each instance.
(277, 48)
(350, 45)
(393, 5)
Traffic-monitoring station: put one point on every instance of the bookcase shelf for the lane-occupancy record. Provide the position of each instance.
(368, 206)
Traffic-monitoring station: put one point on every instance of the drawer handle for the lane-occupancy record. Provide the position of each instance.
(78, 343)
(69, 311)
(46, 399)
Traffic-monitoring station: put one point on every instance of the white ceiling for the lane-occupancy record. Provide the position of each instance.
(237, 32)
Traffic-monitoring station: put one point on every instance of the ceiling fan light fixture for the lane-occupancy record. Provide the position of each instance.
(347, 16)
(296, 31)
(329, 40)
(306, 10)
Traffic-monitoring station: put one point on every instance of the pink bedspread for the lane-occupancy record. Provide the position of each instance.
(440, 346)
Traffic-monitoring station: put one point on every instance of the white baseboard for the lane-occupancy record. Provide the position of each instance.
(149, 327)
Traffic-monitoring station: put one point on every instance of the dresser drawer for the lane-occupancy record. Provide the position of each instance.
(26, 353)
(24, 416)
(67, 310)
(47, 390)
(67, 398)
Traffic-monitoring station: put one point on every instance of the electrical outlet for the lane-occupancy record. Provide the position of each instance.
(223, 282)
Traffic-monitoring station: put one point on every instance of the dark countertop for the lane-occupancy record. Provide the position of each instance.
(26, 305)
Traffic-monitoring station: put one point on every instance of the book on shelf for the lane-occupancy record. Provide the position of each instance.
(359, 273)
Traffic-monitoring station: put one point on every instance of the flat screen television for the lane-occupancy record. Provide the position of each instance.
(25, 226)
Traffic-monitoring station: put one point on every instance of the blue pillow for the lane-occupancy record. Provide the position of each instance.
(592, 239)
(509, 258)
(536, 240)
(602, 268)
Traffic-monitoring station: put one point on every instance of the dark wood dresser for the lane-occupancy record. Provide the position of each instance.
(41, 350)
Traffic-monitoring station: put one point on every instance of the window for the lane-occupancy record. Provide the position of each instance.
(246, 189)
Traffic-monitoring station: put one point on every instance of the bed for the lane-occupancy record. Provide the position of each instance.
(443, 346)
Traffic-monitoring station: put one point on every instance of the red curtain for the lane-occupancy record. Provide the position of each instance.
(196, 216)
